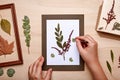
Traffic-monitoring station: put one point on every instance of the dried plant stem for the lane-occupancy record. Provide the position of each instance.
(28, 50)
(0, 16)
(64, 56)
(106, 26)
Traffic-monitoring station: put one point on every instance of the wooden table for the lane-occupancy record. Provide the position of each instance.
(35, 8)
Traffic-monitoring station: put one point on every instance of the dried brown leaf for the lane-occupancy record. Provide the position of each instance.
(5, 47)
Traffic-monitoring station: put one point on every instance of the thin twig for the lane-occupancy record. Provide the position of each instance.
(0, 16)
(28, 50)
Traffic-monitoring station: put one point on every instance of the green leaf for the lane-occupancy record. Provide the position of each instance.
(27, 44)
(1, 72)
(64, 44)
(56, 34)
(26, 20)
(28, 31)
(25, 24)
(6, 26)
(58, 27)
(109, 67)
(52, 55)
(71, 59)
(58, 39)
(112, 55)
(116, 26)
(61, 38)
(73, 39)
(28, 36)
(60, 32)
(27, 27)
(10, 72)
(59, 44)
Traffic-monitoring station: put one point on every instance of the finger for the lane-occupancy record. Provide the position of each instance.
(90, 38)
(35, 65)
(78, 44)
(84, 38)
(49, 74)
(39, 66)
(29, 72)
(41, 61)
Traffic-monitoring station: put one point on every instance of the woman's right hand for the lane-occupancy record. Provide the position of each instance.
(88, 53)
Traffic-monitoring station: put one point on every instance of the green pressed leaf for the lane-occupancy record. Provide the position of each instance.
(1, 72)
(116, 26)
(26, 20)
(58, 39)
(25, 24)
(28, 37)
(64, 44)
(52, 55)
(109, 67)
(59, 44)
(26, 27)
(60, 32)
(10, 72)
(112, 55)
(27, 40)
(23, 27)
(71, 59)
(100, 28)
(73, 39)
(5, 26)
(27, 44)
(26, 32)
(61, 39)
(56, 34)
(58, 27)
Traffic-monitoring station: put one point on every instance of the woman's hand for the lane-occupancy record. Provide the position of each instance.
(88, 53)
(35, 71)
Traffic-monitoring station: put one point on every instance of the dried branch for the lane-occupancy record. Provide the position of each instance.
(111, 15)
(65, 47)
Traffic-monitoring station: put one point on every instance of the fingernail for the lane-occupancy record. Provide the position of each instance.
(76, 38)
(50, 69)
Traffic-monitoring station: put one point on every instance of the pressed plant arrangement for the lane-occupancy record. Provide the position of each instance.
(5, 47)
(63, 46)
(109, 19)
(110, 15)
